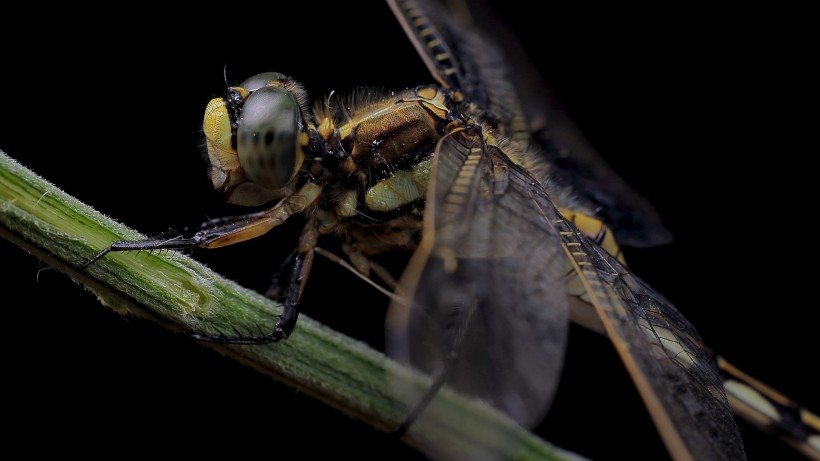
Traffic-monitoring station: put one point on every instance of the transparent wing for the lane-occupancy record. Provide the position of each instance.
(676, 375)
(500, 81)
(464, 62)
(489, 307)
(487, 284)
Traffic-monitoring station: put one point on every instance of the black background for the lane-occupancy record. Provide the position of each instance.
(698, 110)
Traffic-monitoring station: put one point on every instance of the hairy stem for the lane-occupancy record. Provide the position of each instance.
(183, 295)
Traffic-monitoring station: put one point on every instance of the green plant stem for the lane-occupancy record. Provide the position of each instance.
(183, 295)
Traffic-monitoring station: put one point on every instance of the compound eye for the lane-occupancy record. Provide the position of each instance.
(267, 134)
(261, 80)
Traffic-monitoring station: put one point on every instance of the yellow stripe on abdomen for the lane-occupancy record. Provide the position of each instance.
(598, 232)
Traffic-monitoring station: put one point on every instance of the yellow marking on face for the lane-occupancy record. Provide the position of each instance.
(217, 128)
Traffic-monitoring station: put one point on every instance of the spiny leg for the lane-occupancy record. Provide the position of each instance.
(281, 278)
(290, 311)
(233, 232)
(125, 245)
(229, 230)
(364, 265)
(303, 261)
(239, 229)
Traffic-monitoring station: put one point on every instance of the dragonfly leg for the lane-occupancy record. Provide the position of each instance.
(463, 315)
(302, 262)
(281, 278)
(365, 266)
(439, 380)
(225, 234)
(227, 231)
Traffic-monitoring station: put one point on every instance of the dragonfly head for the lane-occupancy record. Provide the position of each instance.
(255, 137)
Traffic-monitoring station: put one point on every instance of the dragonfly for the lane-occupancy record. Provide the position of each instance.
(499, 124)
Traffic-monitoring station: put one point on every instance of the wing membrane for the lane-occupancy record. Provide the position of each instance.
(674, 372)
(484, 284)
(497, 78)
(464, 62)
(489, 254)
(488, 284)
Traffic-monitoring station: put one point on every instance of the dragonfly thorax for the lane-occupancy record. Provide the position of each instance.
(371, 156)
